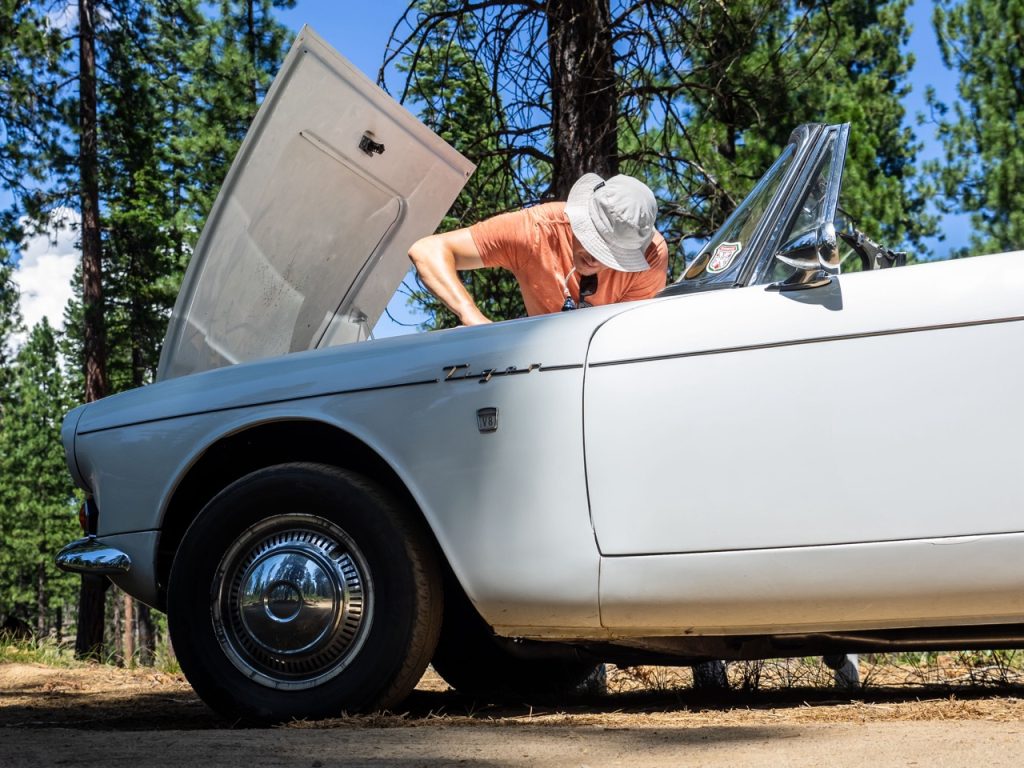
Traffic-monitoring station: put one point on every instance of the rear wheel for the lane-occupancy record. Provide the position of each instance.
(302, 591)
(475, 662)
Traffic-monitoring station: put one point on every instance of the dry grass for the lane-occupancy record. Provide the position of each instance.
(981, 669)
(101, 696)
(926, 687)
(654, 697)
(49, 652)
(30, 651)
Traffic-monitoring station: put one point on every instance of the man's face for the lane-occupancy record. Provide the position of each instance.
(585, 263)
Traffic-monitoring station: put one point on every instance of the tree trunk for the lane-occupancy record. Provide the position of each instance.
(128, 633)
(40, 600)
(584, 107)
(147, 635)
(92, 270)
(115, 629)
(91, 599)
(89, 639)
(251, 40)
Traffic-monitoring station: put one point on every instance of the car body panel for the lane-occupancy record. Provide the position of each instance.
(886, 411)
(308, 238)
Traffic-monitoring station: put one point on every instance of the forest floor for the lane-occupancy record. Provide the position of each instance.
(107, 716)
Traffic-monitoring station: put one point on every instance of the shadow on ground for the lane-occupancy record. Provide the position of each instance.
(182, 710)
(427, 704)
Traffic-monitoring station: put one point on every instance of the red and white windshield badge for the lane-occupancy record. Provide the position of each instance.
(723, 257)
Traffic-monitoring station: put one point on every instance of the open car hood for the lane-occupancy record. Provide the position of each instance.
(307, 240)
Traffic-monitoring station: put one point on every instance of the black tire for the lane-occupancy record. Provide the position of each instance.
(473, 661)
(302, 591)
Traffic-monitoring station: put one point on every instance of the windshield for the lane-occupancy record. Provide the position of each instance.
(809, 214)
(821, 201)
(718, 262)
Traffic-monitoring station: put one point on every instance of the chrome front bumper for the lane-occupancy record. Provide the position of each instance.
(90, 555)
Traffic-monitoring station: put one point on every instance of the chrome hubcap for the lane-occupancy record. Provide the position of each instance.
(292, 601)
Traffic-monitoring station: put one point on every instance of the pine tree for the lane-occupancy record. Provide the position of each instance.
(142, 252)
(141, 255)
(983, 133)
(177, 34)
(149, 224)
(10, 323)
(32, 139)
(233, 63)
(815, 62)
(863, 81)
(89, 640)
(38, 500)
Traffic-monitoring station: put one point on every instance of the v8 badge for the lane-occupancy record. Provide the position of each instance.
(487, 419)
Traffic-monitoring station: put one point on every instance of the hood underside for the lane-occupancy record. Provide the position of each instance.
(307, 240)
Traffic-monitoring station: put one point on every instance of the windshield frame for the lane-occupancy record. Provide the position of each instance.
(834, 138)
(810, 140)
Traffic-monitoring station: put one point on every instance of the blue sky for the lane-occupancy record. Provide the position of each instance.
(360, 31)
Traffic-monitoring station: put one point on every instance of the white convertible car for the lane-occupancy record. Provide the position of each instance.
(771, 458)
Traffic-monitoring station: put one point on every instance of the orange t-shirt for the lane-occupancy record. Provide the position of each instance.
(535, 244)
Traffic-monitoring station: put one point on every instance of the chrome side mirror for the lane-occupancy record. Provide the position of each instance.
(814, 256)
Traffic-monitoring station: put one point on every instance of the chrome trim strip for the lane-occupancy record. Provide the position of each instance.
(936, 540)
(549, 368)
(91, 556)
(357, 390)
(812, 340)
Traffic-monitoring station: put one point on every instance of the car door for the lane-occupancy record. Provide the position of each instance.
(879, 408)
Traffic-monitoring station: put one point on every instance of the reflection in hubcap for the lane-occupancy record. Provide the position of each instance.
(292, 601)
(282, 601)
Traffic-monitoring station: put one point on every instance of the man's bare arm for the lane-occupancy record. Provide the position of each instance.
(437, 259)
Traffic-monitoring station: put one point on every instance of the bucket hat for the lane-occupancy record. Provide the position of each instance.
(613, 219)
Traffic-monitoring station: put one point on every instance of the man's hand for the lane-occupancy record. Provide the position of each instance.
(438, 259)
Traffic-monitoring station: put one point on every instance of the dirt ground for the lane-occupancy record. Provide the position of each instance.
(108, 716)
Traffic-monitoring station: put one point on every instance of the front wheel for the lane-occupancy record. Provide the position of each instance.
(302, 591)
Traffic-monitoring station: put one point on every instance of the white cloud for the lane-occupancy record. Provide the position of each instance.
(63, 17)
(44, 273)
